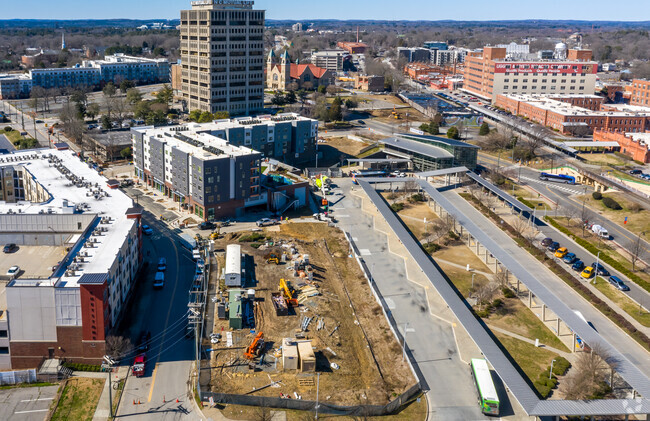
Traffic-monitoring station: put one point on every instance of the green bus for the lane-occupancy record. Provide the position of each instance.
(487, 393)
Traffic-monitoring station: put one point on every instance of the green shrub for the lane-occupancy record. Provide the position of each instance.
(508, 293)
(560, 366)
(256, 245)
(597, 195)
(453, 235)
(611, 203)
(542, 389)
(256, 236)
(483, 313)
(396, 207)
(431, 247)
(418, 197)
(8, 129)
(497, 303)
(484, 129)
(525, 202)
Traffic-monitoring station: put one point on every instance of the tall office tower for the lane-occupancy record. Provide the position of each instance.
(222, 56)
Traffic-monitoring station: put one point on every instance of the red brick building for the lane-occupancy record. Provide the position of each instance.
(634, 145)
(489, 73)
(640, 93)
(353, 47)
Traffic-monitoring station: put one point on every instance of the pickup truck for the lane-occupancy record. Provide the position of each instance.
(139, 365)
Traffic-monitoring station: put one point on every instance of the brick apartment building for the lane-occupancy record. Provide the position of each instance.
(489, 73)
(575, 114)
(634, 145)
(352, 47)
(640, 93)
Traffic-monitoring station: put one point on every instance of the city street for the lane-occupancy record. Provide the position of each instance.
(163, 392)
(561, 193)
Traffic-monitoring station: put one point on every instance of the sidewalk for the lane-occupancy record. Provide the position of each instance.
(569, 356)
(102, 412)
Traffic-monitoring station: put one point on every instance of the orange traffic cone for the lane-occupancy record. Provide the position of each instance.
(139, 403)
(164, 399)
(176, 400)
(133, 401)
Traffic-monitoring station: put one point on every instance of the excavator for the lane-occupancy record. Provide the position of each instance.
(289, 294)
(255, 348)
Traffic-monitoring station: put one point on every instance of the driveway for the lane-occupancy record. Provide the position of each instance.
(26, 403)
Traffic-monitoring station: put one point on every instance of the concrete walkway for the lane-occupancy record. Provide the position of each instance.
(102, 412)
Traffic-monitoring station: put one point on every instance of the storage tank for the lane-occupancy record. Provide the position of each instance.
(233, 265)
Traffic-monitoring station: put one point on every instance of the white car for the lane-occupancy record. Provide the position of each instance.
(13, 271)
(159, 280)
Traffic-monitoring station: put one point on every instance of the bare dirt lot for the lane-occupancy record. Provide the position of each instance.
(370, 370)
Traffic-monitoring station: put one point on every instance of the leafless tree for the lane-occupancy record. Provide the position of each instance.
(438, 229)
(120, 108)
(73, 126)
(116, 346)
(519, 225)
(263, 413)
(637, 251)
(485, 293)
(569, 213)
(591, 370)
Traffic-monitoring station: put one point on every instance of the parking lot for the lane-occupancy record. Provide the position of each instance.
(26, 403)
(34, 261)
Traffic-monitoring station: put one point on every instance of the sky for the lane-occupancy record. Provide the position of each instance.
(631, 10)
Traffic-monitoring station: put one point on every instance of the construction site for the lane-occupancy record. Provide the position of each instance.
(294, 316)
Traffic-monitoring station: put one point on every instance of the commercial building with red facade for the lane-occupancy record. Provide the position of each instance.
(353, 47)
(634, 145)
(488, 73)
(576, 115)
(640, 93)
(60, 205)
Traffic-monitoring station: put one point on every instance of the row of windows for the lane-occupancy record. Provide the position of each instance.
(562, 88)
(543, 80)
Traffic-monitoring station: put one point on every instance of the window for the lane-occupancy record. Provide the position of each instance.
(3, 333)
(4, 350)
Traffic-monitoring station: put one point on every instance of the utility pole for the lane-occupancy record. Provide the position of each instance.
(108, 362)
(317, 390)
(550, 374)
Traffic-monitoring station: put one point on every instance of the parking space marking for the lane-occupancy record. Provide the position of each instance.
(33, 410)
(39, 399)
(365, 252)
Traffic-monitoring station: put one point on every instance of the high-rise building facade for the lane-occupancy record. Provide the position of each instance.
(222, 56)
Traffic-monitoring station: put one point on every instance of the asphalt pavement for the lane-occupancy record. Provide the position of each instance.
(561, 193)
(162, 393)
(26, 403)
(429, 339)
(6, 144)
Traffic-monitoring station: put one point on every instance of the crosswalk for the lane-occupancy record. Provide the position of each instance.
(554, 185)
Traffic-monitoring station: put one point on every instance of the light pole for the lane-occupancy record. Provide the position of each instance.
(550, 374)
(596, 268)
(472, 290)
(317, 390)
(109, 362)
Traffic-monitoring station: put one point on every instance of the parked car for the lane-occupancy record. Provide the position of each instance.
(588, 272)
(207, 225)
(265, 221)
(10, 248)
(553, 246)
(139, 365)
(561, 252)
(146, 229)
(618, 283)
(600, 269)
(143, 344)
(570, 258)
(546, 242)
(13, 271)
(162, 264)
(578, 266)
(635, 171)
(159, 280)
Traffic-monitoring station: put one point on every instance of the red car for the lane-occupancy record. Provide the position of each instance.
(139, 365)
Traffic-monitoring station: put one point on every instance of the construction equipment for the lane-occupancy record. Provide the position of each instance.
(289, 293)
(255, 348)
(273, 257)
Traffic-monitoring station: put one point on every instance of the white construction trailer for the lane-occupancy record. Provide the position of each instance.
(233, 266)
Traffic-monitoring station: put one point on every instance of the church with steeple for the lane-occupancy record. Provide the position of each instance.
(280, 74)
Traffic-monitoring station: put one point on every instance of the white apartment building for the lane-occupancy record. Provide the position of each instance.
(331, 60)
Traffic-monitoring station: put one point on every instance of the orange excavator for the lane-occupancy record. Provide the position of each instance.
(255, 348)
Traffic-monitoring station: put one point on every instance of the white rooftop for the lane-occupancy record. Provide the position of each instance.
(91, 194)
(642, 138)
(564, 108)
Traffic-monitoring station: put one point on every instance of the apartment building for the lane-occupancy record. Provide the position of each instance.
(222, 56)
(370, 83)
(640, 93)
(13, 86)
(414, 54)
(213, 169)
(560, 114)
(489, 73)
(95, 73)
(65, 304)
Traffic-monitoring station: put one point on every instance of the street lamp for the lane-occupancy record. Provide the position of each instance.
(473, 275)
(596, 268)
(550, 374)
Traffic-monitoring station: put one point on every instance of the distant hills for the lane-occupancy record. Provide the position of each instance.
(127, 23)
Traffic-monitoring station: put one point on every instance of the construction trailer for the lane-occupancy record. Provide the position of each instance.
(307, 357)
(233, 265)
(235, 308)
(289, 354)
